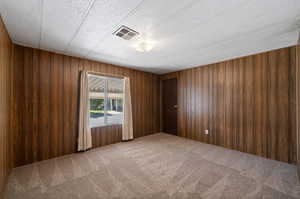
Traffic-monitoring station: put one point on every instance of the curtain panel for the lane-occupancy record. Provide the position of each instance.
(84, 130)
(127, 130)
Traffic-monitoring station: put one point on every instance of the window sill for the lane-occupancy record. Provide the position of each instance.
(107, 125)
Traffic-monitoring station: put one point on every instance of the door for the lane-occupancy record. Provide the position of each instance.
(169, 103)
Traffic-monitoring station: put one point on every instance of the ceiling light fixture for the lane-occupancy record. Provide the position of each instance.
(144, 46)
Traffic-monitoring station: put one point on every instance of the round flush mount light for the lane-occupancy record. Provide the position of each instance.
(144, 46)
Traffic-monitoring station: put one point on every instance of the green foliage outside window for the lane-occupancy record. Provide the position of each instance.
(97, 104)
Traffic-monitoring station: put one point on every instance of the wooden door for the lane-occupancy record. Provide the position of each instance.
(169, 92)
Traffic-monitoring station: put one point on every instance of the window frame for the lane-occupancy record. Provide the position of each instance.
(106, 78)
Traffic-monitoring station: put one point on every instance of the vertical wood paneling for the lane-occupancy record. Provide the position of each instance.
(249, 106)
(198, 90)
(74, 99)
(235, 100)
(246, 104)
(28, 106)
(297, 80)
(17, 108)
(66, 108)
(260, 101)
(214, 107)
(56, 98)
(283, 97)
(5, 106)
(35, 100)
(46, 104)
(272, 105)
(193, 103)
(240, 103)
(204, 110)
(293, 105)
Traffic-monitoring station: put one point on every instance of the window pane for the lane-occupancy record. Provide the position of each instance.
(106, 100)
(114, 102)
(97, 101)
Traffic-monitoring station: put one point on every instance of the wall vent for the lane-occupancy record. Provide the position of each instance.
(125, 33)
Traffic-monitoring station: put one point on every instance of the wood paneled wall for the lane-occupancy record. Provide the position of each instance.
(297, 62)
(247, 104)
(5, 95)
(45, 104)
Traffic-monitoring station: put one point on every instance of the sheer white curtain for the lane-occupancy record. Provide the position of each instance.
(84, 130)
(127, 130)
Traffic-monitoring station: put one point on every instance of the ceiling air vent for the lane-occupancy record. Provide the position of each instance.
(125, 33)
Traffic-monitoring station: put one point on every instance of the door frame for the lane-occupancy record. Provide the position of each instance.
(174, 75)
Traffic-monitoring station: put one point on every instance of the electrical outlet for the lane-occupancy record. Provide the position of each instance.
(206, 132)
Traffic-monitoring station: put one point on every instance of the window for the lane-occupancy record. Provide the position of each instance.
(106, 100)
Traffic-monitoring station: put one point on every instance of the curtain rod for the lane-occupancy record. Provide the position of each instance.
(106, 74)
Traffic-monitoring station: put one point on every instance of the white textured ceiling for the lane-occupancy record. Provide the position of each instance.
(186, 33)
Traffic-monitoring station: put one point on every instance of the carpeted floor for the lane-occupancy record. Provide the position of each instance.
(156, 166)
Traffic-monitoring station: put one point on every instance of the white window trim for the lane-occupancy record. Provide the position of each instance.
(106, 78)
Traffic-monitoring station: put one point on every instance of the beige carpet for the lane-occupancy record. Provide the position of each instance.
(156, 166)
